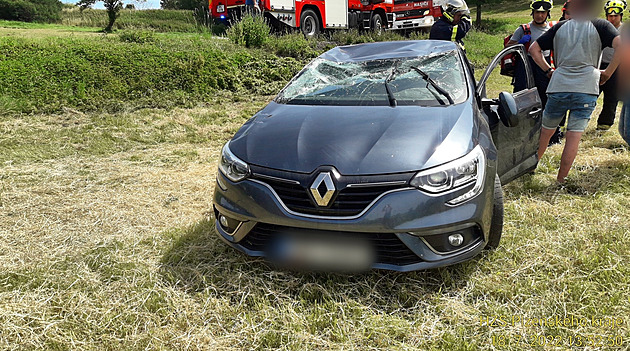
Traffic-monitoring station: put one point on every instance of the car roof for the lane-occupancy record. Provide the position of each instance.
(388, 50)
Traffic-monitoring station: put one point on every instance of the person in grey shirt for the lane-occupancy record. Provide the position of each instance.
(614, 14)
(574, 86)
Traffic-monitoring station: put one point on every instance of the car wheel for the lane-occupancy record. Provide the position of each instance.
(496, 227)
(309, 23)
(376, 23)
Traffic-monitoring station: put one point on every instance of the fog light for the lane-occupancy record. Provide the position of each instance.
(224, 221)
(455, 239)
(229, 225)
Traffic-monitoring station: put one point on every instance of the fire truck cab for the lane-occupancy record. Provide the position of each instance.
(413, 14)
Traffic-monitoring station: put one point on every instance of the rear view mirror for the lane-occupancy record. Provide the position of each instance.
(508, 111)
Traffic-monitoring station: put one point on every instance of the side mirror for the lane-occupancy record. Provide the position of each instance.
(508, 111)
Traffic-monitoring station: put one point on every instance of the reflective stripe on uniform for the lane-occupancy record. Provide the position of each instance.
(454, 37)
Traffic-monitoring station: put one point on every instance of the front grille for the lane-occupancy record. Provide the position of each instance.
(410, 13)
(349, 201)
(389, 249)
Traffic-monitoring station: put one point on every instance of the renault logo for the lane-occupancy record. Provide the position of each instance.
(323, 184)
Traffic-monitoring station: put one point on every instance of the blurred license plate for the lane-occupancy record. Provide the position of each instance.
(325, 253)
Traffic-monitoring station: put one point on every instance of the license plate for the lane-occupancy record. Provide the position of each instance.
(324, 253)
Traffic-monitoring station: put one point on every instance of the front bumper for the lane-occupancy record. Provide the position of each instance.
(413, 23)
(407, 227)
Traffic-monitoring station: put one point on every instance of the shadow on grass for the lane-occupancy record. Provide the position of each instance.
(584, 180)
(198, 261)
(496, 26)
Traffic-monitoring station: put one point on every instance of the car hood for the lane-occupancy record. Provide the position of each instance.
(355, 139)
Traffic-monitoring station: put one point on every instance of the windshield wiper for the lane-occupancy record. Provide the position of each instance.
(435, 85)
(390, 94)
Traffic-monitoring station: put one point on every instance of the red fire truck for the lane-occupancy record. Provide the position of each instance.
(313, 16)
(415, 14)
(226, 11)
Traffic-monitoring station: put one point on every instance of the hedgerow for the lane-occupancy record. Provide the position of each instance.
(39, 75)
(31, 11)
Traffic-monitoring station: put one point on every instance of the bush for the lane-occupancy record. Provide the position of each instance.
(137, 36)
(31, 11)
(293, 45)
(251, 31)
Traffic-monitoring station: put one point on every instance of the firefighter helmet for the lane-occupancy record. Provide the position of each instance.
(541, 5)
(453, 7)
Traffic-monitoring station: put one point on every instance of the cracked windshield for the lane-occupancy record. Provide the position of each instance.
(422, 81)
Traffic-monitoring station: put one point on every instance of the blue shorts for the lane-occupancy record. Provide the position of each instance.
(580, 106)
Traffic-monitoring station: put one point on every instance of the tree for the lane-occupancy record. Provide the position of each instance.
(113, 8)
(478, 4)
(183, 4)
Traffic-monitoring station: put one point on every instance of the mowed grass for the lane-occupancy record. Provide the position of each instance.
(107, 243)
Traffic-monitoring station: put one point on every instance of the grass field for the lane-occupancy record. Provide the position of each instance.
(107, 243)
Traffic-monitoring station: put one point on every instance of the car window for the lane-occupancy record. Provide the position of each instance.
(431, 80)
(498, 82)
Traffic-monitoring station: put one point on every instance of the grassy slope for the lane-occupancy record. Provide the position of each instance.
(40, 72)
(106, 243)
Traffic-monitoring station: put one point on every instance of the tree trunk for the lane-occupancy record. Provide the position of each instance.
(111, 14)
(478, 18)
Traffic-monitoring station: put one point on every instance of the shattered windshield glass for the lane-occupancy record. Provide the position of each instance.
(396, 81)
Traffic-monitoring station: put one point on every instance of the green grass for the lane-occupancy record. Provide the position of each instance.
(107, 241)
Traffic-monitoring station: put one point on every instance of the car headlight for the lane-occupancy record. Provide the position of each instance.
(454, 175)
(220, 8)
(230, 165)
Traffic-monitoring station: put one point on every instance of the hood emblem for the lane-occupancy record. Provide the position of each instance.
(322, 184)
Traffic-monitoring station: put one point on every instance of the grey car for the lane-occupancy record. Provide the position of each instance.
(382, 155)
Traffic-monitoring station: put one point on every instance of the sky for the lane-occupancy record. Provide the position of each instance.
(140, 5)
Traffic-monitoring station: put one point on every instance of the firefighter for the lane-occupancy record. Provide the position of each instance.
(454, 23)
(614, 14)
(526, 34)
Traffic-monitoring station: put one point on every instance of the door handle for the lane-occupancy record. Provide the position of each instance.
(535, 112)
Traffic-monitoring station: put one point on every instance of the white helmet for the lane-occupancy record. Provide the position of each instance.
(452, 7)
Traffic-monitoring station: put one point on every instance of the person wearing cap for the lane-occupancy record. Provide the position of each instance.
(526, 34)
(614, 14)
(454, 23)
(574, 84)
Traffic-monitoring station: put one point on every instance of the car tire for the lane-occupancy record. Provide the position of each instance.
(309, 23)
(496, 226)
(376, 24)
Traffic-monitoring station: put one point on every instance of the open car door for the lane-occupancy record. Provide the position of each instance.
(515, 119)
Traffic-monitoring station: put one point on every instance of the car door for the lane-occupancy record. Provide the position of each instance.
(516, 138)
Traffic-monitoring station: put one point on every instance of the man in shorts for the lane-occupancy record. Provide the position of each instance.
(574, 86)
